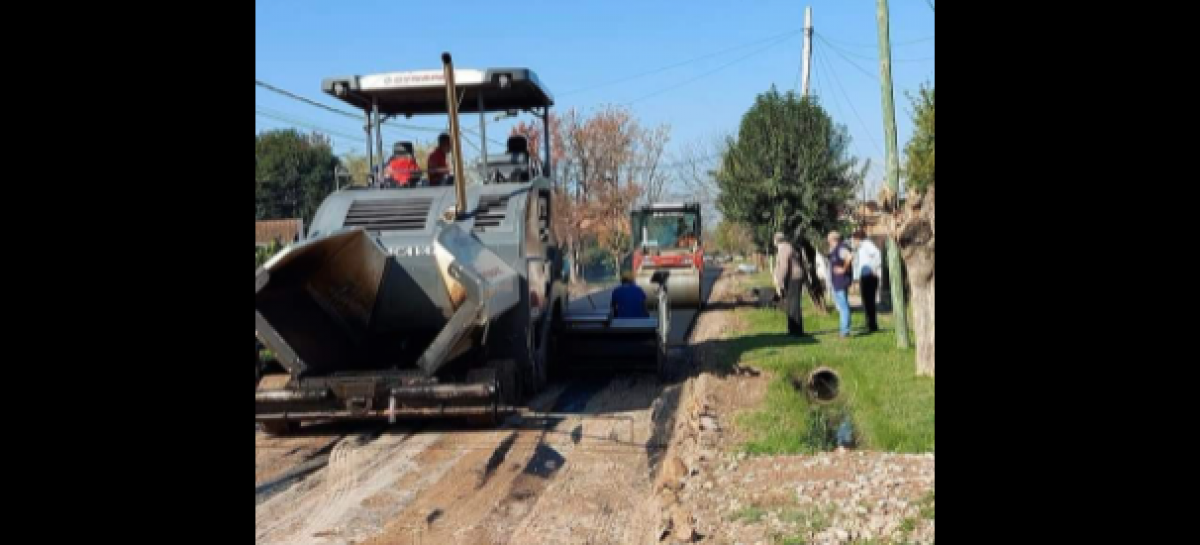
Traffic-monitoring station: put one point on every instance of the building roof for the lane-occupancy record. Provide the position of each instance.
(266, 231)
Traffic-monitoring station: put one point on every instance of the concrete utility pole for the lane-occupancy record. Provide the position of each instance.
(808, 31)
(899, 311)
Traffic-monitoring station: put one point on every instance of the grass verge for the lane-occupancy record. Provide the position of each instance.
(888, 407)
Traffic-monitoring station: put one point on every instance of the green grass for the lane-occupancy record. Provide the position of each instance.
(762, 278)
(926, 504)
(814, 520)
(891, 409)
(752, 513)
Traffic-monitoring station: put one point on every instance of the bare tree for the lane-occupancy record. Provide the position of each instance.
(647, 164)
(604, 163)
(695, 173)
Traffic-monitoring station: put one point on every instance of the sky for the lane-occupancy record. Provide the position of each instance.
(588, 52)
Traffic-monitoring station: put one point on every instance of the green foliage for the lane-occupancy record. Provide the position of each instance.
(358, 167)
(732, 238)
(261, 255)
(293, 173)
(919, 153)
(789, 169)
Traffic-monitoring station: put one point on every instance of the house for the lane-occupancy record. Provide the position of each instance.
(285, 231)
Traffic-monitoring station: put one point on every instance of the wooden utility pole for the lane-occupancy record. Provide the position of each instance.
(899, 311)
(808, 30)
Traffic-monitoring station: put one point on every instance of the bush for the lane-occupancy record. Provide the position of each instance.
(262, 254)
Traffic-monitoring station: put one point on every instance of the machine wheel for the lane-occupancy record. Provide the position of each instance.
(508, 377)
(539, 355)
(280, 427)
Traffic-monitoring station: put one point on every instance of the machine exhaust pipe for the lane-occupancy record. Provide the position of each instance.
(460, 188)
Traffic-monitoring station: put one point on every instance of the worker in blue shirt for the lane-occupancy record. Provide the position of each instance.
(628, 300)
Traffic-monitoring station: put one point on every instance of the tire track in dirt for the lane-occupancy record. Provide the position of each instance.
(600, 495)
(457, 508)
(274, 456)
(316, 509)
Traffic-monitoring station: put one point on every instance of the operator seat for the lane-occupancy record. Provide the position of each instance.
(513, 165)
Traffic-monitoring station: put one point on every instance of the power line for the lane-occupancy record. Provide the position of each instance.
(710, 72)
(350, 115)
(817, 82)
(335, 142)
(837, 81)
(832, 99)
(295, 119)
(360, 136)
(308, 101)
(799, 69)
(301, 123)
(870, 58)
(852, 63)
(682, 63)
(876, 45)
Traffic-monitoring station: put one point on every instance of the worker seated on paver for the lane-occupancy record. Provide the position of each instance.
(628, 300)
(402, 169)
(439, 167)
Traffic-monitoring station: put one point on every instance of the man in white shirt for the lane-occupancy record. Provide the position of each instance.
(868, 263)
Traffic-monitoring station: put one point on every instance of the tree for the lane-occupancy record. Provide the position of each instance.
(696, 171)
(788, 170)
(533, 140)
(358, 167)
(914, 228)
(919, 151)
(293, 173)
(732, 238)
(647, 162)
(603, 164)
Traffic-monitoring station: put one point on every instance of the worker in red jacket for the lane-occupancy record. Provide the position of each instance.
(439, 167)
(402, 169)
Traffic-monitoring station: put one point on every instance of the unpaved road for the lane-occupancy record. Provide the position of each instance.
(584, 475)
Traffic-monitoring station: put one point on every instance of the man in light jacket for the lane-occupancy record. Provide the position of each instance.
(789, 277)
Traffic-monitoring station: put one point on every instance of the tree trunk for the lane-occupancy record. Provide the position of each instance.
(916, 241)
(922, 311)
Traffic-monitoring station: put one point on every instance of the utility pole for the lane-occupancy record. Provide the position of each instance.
(808, 31)
(899, 310)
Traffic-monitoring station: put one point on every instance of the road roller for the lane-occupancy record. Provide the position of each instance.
(667, 239)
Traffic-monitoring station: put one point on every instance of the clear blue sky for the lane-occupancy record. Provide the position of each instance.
(577, 45)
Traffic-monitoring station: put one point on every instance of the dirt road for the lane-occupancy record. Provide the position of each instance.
(583, 475)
